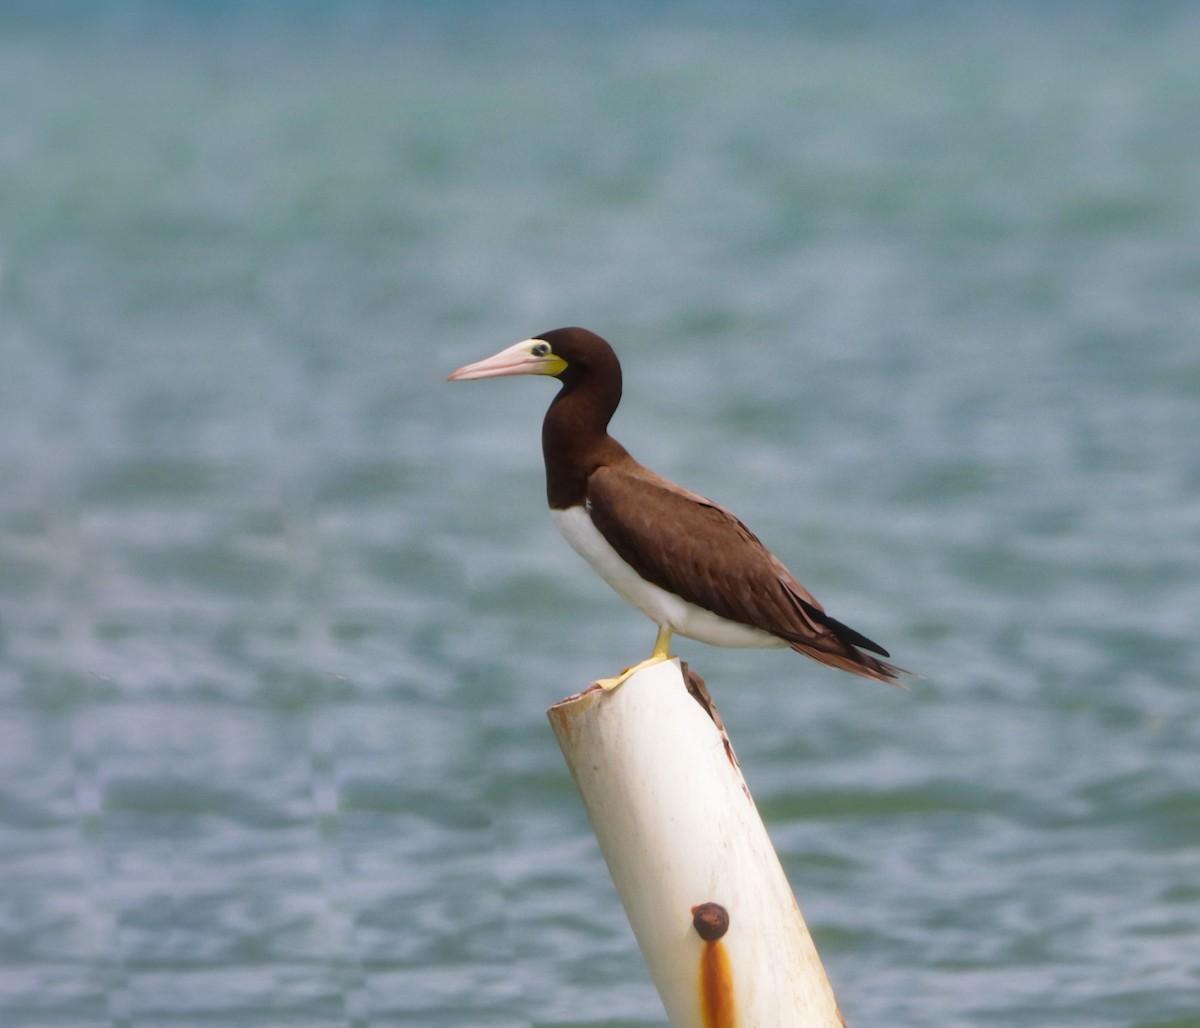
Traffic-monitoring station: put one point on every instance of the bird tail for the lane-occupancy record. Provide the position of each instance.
(838, 645)
(846, 652)
(855, 661)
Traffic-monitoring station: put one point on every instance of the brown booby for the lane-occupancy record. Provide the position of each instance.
(688, 564)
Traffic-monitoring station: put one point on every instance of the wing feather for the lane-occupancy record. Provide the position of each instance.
(690, 546)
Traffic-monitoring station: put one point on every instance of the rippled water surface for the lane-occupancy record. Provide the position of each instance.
(915, 291)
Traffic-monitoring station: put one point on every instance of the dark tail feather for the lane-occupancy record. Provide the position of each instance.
(852, 659)
(852, 638)
(844, 632)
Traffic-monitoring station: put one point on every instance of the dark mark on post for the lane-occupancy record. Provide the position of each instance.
(711, 921)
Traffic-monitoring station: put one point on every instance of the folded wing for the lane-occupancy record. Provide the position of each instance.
(690, 546)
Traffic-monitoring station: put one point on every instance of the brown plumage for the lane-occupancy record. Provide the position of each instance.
(674, 539)
(701, 552)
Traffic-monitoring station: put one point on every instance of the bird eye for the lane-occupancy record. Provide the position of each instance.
(540, 349)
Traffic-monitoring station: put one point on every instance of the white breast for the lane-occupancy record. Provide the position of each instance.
(663, 608)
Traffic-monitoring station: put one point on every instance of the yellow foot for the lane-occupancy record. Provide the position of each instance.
(662, 651)
(608, 684)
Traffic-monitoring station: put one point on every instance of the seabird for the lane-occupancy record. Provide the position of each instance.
(688, 564)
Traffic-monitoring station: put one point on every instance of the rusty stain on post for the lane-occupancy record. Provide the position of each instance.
(561, 723)
(562, 718)
(711, 921)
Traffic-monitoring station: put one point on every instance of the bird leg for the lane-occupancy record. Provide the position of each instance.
(662, 651)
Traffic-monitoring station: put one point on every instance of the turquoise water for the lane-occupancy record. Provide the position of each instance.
(916, 291)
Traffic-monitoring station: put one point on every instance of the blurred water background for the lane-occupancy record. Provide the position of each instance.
(915, 289)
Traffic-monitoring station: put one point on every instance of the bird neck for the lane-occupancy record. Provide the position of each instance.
(575, 439)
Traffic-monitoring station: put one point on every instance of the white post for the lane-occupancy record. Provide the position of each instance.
(704, 891)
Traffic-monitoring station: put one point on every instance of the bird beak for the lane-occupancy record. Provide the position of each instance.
(516, 360)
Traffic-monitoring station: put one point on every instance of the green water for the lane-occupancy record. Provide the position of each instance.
(914, 291)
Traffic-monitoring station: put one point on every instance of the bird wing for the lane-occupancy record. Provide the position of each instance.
(696, 549)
